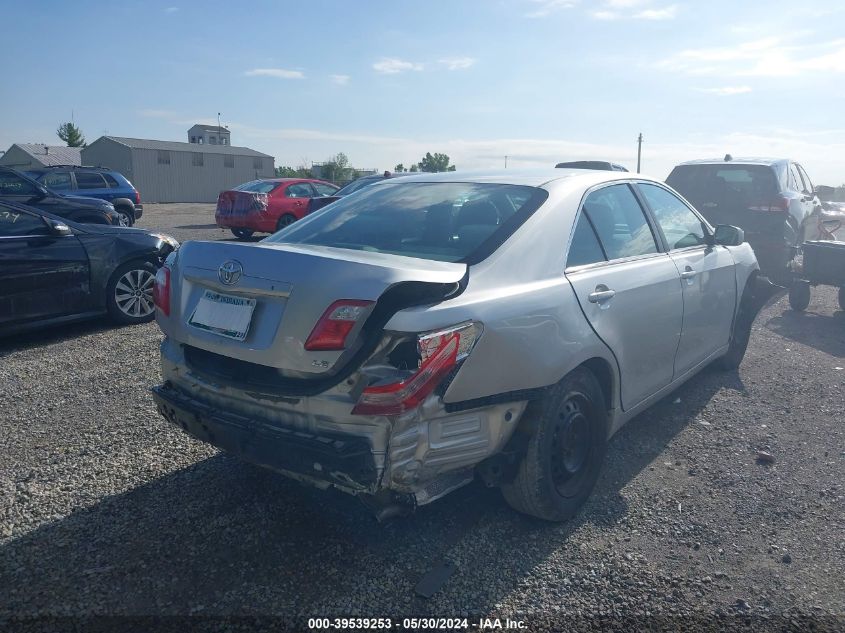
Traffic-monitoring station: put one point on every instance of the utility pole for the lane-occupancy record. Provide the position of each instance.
(639, 150)
(506, 161)
(218, 122)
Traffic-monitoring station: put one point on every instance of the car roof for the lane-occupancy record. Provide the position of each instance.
(740, 161)
(46, 168)
(529, 177)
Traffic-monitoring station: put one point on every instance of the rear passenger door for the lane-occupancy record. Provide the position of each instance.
(628, 289)
(708, 277)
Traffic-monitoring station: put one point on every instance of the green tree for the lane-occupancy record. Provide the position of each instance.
(337, 168)
(435, 162)
(71, 135)
(284, 171)
(414, 168)
(399, 168)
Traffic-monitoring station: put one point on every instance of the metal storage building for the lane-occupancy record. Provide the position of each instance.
(169, 171)
(24, 156)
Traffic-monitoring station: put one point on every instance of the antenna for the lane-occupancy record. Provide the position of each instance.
(639, 150)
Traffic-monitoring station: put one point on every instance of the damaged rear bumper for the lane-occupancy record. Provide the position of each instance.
(421, 455)
(332, 458)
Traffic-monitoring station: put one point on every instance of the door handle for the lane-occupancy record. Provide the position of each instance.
(688, 273)
(601, 294)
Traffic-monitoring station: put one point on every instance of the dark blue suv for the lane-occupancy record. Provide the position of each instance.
(93, 182)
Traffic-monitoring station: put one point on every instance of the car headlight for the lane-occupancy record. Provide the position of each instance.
(167, 239)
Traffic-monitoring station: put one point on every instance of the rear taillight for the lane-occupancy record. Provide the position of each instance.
(137, 197)
(779, 204)
(161, 290)
(440, 352)
(334, 326)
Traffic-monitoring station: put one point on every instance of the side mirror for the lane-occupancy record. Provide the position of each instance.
(728, 235)
(59, 229)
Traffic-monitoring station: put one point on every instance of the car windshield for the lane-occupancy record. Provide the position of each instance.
(454, 222)
(258, 186)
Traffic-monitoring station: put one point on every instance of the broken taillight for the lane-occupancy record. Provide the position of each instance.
(440, 352)
(161, 290)
(335, 325)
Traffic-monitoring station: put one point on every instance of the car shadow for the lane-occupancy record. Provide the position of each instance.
(50, 334)
(196, 226)
(221, 537)
(814, 329)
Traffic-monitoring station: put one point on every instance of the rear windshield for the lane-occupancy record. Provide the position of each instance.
(712, 183)
(258, 186)
(452, 222)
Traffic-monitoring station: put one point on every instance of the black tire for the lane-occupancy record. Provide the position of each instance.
(131, 280)
(127, 217)
(286, 220)
(842, 297)
(799, 295)
(565, 451)
(242, 234)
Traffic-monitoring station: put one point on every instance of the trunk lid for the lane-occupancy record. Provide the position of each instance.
(292, 286)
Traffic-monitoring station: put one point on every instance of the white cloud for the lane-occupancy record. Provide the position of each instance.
(393, 66)
(547, 7)
(171, 9)
(765, 57)
(625, 10)
(664, 13)
(280, 73)
(726, 91)
(458, 63)
(340, 80)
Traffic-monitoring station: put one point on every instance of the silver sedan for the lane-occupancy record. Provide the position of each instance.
(431, 329)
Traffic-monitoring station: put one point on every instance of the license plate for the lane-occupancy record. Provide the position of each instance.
(223, 314)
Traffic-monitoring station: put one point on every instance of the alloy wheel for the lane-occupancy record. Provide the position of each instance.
(133, 293)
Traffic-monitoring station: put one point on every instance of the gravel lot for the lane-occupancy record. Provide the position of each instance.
(106, 509)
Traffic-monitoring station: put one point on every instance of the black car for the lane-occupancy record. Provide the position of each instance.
(54, 271)
(352, 187)
(16, 187)
(771, 199)
(601, 165)
(93, 182)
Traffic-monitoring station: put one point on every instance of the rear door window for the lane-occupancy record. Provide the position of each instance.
(619, 222)
(299, 190)
(112, 181)
(323, 189)
(90, 180)
(681, 227)
(585, 248)
(58, 180)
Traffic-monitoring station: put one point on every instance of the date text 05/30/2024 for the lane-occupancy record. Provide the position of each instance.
(415, 624)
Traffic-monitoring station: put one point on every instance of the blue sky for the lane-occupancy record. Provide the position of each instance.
(384, 82)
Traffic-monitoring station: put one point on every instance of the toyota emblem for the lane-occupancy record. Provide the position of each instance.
(230, 272)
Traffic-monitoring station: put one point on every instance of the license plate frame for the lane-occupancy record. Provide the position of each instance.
(225, 315)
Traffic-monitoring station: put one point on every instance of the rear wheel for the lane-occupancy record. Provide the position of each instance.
(242, 234)
(129, 294)
(286, 220)
(565, 451)
(799, 295)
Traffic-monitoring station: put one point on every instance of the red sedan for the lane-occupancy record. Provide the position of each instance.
(267, 205)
